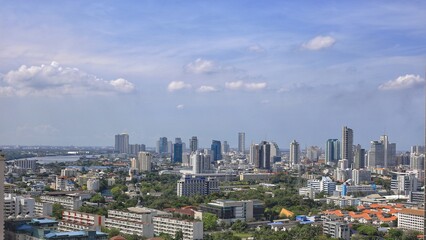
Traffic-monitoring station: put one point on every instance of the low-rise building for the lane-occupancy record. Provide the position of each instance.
(336, 229)
(139, 223)
(74, 221)
(43, 209)
(70, 203)
(229, 211)
(192, 230)
(190, 185)
(411, 219)
(15, 206)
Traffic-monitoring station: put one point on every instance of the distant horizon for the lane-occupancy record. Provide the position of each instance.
(78, 72)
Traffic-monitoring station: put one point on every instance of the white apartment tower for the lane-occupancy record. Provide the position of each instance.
(294, 153)
(144, 159)
(122, 143)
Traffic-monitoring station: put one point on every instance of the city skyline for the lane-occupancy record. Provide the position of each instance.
(279, 72)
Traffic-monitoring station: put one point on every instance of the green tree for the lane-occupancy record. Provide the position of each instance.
(410, 235)
(239, 226)
(368, 230)
(57, 210)
(97, 198)
(394, 234)
(209, 221)
(113, 232)
(179, 235)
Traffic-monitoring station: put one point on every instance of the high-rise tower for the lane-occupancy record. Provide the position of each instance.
(294, 153)
(347, 144)
(122, 143)
(193, 144)
(332, 151)
(216, 150)
(241, 142)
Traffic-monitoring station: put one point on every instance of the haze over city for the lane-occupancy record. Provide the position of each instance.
(79, 72)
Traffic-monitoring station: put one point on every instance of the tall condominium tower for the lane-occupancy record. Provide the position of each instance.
(347, 144)
(216, 150)
(241, 142)
(122, 143)
(2, 166)
(225, 147)
(144, 159)
(254, 155)
(294, 153)
(193, 144)
(359, 158)
(376, 155)
(332, 151)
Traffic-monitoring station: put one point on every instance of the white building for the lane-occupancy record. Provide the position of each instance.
(403, 183)
(411, 219)
(294, 153)
(43, 209)
(69, 172)
(25, 164)
(326, 185)
(343, 201)
(308, 192)
(70, 203)
(336, 229)
(361, 176)
(74, 221)
(15, 206)
(190, 229)
(139, 223)
(145, 159)
(229, 211)
(200, 162)
(93, 184)
(64, 184)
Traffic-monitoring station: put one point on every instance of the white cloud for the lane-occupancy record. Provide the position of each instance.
(55, 80)
(255, 86)
(177, 85)
(234, 85)
(247, 86)
(201, 66)
(206, 89)
(180, 106)
(402, 82)
(256, 48)
(319, 42)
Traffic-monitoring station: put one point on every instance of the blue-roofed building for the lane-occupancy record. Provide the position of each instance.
(77, 235)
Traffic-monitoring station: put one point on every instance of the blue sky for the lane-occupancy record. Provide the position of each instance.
(78, 72)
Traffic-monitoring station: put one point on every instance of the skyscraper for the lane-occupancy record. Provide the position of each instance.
(294, 153)
(254, 155)
(332, 151)
(145, 159)
(177, 152)
(265, 155)
(216, 150)
(2, 166)
(389, 154)
(359, 158)
(225, 147)
(193, 144)
(347, 144)
(122, 143)
(162, 145)
(376, 155)
(241, 142)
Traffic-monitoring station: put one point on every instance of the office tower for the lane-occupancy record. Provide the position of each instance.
(144, 159)
(265, 155)
(225, 147)
(122, 143)
(177, 152)
(347, 144)
(403, 183)
(241, 142)
(254, 155)
(275, 152)
(294, 153)
(2, 166)
(376, 158)
(417, 149)
(360, 176)
(169, 147)
(417, 162)
(193, 144)
(359, 157)
(389, 152)
(216, 150)
(162, 145)
(178, 140)
(332, 151)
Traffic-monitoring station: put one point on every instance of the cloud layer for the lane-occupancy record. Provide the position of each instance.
(55, 80)
(319, 42)
(177, 85)
(200, 66)
(247, 86)
(402, 82)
